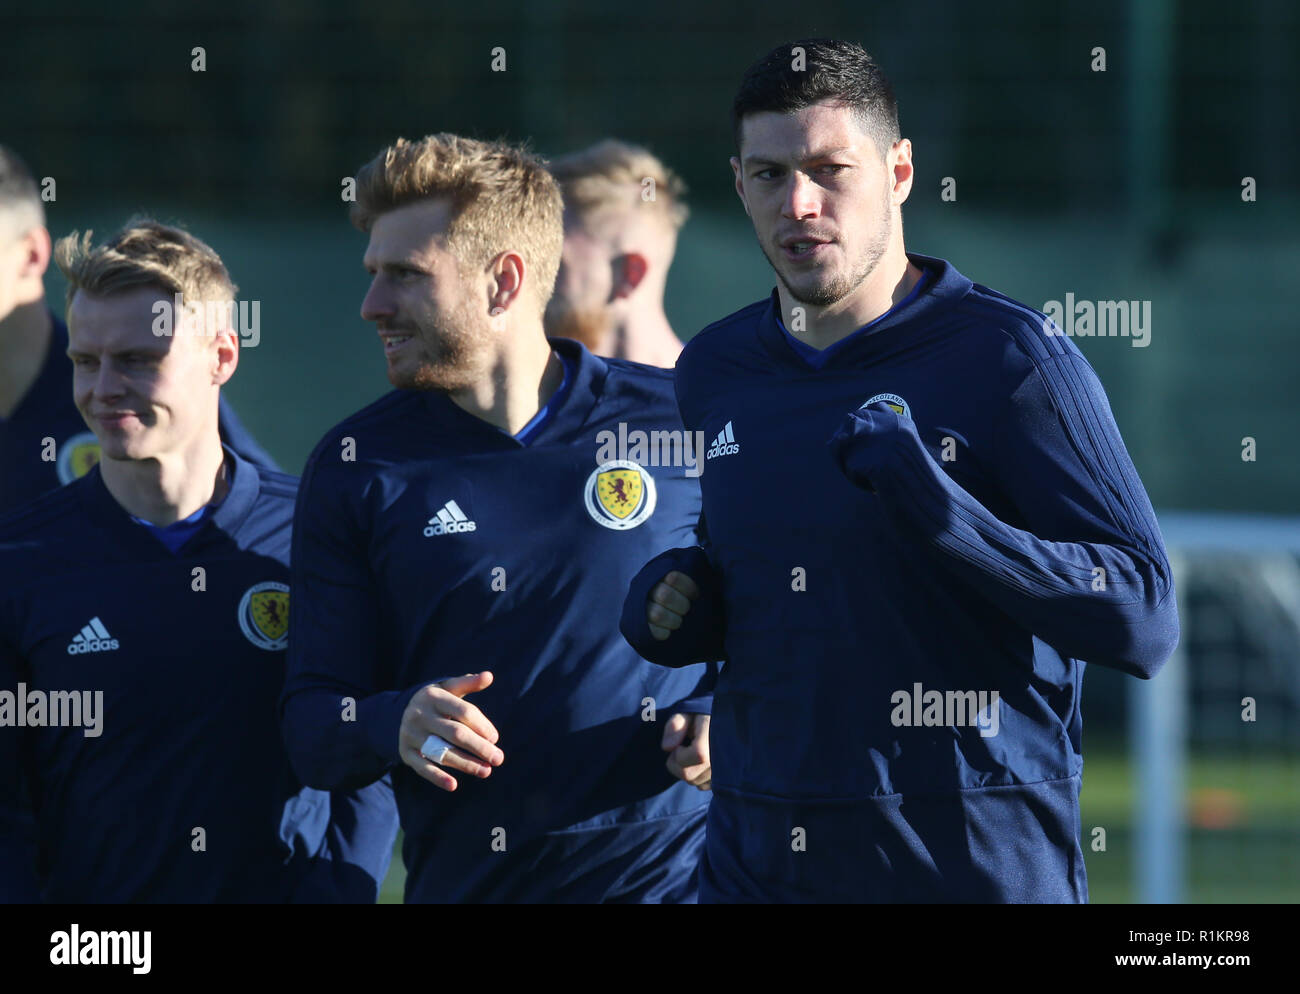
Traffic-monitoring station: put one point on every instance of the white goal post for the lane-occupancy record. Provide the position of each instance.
(1158, 707)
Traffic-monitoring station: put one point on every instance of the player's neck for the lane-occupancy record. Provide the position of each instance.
(172, 486)
(646, 336)
(518, 384)
(821, 327)
(24, 341)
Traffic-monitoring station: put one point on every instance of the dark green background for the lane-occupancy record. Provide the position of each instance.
(1123, 184)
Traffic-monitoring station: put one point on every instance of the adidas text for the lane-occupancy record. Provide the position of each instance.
(93, 637)
(450, 520)
(724, 445)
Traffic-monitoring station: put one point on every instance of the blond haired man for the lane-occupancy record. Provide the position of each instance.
(623, 209)
(43, 441)
(143, 618)
(477, 518)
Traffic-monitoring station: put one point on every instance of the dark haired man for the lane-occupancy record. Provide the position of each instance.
(902, 611)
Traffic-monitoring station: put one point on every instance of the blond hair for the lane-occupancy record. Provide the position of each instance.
(145, 253)
(501, 198)
(613, 176)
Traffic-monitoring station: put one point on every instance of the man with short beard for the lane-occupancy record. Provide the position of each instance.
(469, 521)
(902, 611)
(623, 209)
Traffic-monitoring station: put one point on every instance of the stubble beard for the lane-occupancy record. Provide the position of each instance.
(591, 326)
(838, 287)
(453, 356)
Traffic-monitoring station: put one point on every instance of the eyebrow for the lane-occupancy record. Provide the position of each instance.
(828, 153)
(133, 350)
(391, 264)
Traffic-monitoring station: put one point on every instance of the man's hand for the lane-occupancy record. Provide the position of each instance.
(686, 740)
(669, 601)
(438, 709)
(870, 440)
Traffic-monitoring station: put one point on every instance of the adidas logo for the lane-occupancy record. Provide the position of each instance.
(93, 637)
(448, 521)
(724, 445)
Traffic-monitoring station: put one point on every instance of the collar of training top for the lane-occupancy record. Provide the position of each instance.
(573, 411)
(102, 508)
(946, 287)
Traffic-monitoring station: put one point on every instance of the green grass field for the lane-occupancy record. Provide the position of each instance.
(1243, 841)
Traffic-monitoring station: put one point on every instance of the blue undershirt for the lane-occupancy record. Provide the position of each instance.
(179, 532)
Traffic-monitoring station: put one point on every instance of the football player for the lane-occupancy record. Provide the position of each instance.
(623, 209)
(486, 516)
(921, 518)
(144, 611)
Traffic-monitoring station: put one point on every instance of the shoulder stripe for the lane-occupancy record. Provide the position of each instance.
(1057, 361)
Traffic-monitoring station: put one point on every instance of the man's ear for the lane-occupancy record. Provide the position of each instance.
(506, 280)
(225, 355)
(740, 187)
(36, 252)
(901, 169)
(629, 270)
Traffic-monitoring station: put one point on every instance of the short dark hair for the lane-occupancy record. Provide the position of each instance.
(831, 70)
(19, 193)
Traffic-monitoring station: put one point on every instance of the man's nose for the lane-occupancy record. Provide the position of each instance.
(802, 199)
(109, 381)
(376, 304)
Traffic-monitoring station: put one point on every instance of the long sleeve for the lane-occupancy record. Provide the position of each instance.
(701, 639)
(340, 729)
(1088, 573)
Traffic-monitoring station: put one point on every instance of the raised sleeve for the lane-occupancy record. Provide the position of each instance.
(1087, 572)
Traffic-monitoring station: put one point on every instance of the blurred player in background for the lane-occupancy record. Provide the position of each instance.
(43, 441)
(478, 518)
(143, 620)
(903, 611)
(623, 209)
